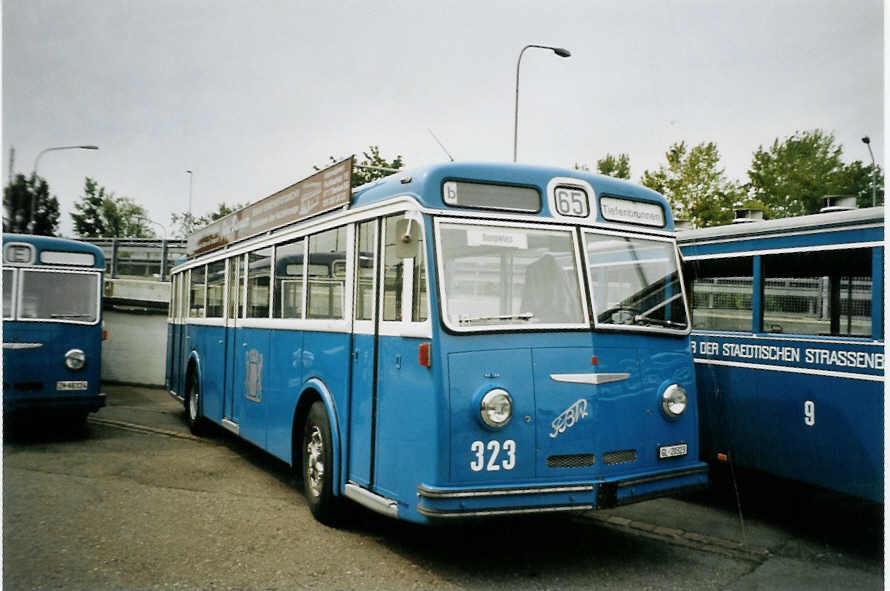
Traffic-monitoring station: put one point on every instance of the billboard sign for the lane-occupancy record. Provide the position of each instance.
(323, 191)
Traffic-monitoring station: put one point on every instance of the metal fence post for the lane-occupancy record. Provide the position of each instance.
(113, 258)
(164, 259)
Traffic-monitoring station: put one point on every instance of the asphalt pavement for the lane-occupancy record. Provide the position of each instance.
(134, 501)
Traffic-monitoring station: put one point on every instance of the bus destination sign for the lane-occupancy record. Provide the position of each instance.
(323, 191)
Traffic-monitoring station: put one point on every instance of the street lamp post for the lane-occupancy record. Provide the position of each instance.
(867, 141)
(31, 222)
(561, 52)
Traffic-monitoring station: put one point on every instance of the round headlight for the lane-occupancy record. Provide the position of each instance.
(496, 408)
(673, 401)
(75, 359)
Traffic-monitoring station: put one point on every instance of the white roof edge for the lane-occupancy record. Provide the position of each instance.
(783, 225)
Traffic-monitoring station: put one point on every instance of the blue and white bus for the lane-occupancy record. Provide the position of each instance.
(788, 342)
(455, 341)
(52, 327)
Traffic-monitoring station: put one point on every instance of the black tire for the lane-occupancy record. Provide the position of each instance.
(318, 466)
(193, 416)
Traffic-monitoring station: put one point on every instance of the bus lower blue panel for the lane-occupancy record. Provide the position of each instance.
(822, 430)
(407, 411)
(286, 382)
(325, 357)
(360, 423)
(252, 379)
(210, 345)
(168, 373)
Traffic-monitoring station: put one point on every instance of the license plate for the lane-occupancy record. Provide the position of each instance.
(71, 385)
(672, 451)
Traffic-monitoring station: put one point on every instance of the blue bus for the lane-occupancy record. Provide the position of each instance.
(456, 341)
(788, 342)
(52, 327)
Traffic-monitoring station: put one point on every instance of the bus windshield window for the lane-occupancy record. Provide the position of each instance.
(7, 293)
(59, 296)
(635, 281)
(498, 275)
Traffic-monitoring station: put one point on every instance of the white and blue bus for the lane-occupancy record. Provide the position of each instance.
(459, 340)
(788, 342)
(52, 327)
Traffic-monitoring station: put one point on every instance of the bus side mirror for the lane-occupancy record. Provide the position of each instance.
(407, 238)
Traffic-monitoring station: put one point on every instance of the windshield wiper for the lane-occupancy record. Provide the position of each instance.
(660, 322)
(645, 315)
(70, 315)
(522, 316)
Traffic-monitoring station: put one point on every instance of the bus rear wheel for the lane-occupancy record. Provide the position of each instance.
(318, 465)
(193, 406)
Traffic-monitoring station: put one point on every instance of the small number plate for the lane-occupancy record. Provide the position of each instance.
(672, 451)
(71, 385)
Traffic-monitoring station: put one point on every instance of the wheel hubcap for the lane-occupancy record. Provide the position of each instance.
(193, 405)
(315, 461)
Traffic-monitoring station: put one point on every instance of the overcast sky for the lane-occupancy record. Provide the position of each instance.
(250, 94)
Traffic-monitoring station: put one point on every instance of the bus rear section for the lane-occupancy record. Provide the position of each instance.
(52, 331)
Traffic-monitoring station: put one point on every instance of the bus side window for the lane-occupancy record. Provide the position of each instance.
(258, 269)
(366, 256)
(7, 293)
(236, 283)
(179, 281)
(722, 291)
(327, 274)
(288, 296)
(818, 293)
(420, 306)
(216, 281)
(393, 269)
(404, 271)
(198, 292)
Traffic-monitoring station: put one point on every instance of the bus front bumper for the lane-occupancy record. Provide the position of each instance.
(450, 502)
(87, 402)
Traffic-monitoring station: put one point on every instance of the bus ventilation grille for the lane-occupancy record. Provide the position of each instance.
(571, 461)
(620, 457)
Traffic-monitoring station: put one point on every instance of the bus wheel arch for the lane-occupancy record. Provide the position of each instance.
(315, 434)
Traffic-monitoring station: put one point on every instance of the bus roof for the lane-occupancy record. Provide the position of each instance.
(425, 183)
(838, 229)
(57, 245)
(765, 228)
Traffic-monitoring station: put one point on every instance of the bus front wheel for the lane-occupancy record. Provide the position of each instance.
(318, 465)
(193, 406)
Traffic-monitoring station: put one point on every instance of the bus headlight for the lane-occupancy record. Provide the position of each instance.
(496, 408)
(673, 401)
(75, 359)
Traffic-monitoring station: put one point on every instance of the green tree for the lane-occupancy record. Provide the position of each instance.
(102, 215)
(185, 223)
(695, 185)
(27, 195)
(372, 158)
(794, 174)
(614, 166)
(856, 179)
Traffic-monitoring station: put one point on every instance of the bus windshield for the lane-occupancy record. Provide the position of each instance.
(59, 296)
(635, 281)
(497, 275)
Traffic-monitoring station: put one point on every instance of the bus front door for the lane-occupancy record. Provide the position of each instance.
(234, 285)
(363, 355)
